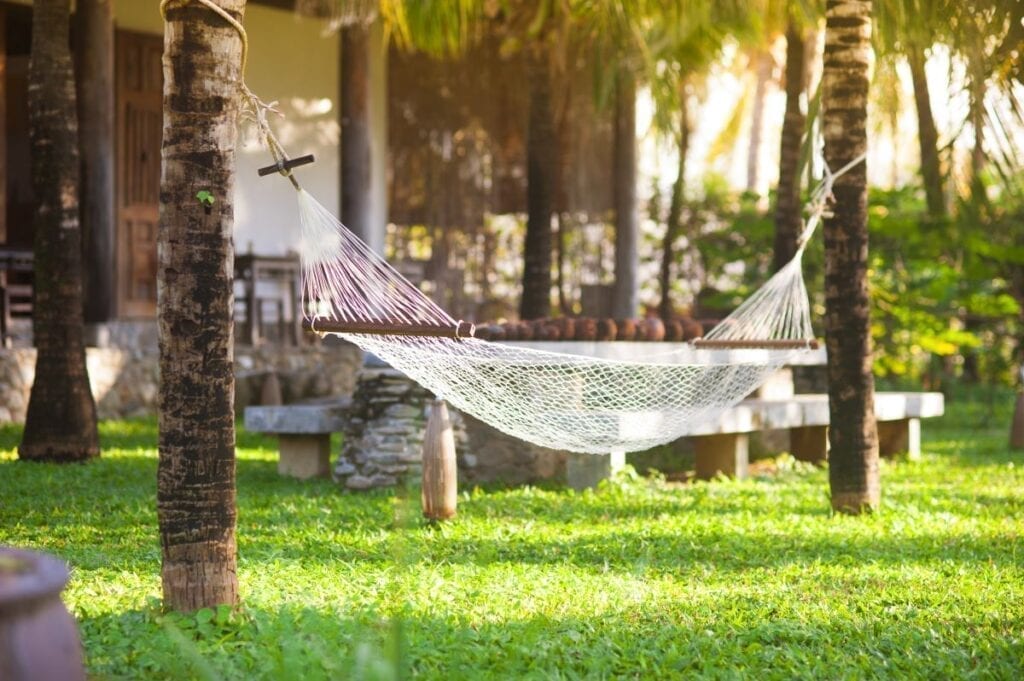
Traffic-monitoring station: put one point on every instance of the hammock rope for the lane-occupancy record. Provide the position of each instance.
(563, 401)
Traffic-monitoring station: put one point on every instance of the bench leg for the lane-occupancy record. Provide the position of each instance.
(898, 437)
(305, 456)
(809, 443)
(583, 471)
(727, 454)
(1017, 427)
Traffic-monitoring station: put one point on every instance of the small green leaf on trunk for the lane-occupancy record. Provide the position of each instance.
(205, 197)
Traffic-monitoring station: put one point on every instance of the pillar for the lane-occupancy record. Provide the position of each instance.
(94, 84)
(363, 94)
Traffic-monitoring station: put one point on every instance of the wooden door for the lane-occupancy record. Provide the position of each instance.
(139, 78)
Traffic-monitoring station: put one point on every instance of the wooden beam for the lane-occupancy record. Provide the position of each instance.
(755, 344)
(460, 330)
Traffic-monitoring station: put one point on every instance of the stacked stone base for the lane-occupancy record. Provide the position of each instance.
(383, 440)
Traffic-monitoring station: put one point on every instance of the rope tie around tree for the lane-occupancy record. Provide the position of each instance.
(558, 400)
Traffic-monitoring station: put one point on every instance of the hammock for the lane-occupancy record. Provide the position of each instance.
(557, 400)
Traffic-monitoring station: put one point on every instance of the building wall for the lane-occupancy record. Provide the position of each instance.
(293, 61)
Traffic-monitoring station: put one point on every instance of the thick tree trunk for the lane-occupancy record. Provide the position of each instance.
(788, 217)
(356, 211)
(196, 473)
(675, 211)
(625, 293)
(95, 92)
(61, 420)
(853, 460)
(540, 164)
(927, 134)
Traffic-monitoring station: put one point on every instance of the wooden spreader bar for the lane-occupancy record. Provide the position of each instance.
(461, 330)
(754, 344)
(287, 164)
(467, 330)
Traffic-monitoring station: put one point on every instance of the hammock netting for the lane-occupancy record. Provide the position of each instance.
(558, 400)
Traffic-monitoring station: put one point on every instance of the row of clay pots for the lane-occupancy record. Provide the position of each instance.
(589, 329)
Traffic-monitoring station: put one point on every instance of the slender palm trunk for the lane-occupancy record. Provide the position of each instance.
(978, 88)
(763, 74)
(927, 134)
(562, 202)
(626, 291)
(540, 163)
(788, 219)
(666, 310)
(196, 473)
(61, 420)
(853, 461)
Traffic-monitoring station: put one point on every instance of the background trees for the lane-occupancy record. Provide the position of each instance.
(61, 420)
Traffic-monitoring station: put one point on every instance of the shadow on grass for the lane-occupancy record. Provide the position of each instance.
(683, 639)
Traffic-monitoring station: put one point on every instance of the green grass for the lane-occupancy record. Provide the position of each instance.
(640, 579)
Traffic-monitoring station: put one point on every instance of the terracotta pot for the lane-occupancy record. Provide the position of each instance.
(38, 637)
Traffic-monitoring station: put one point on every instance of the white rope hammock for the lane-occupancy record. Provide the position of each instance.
(557, 400)
(554, 399)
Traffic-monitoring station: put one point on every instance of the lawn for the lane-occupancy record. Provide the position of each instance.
(641, 578)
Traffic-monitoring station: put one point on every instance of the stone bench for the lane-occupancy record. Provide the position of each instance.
(721, 446)
(304, 434)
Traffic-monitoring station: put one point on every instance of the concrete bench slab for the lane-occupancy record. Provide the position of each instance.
(304, 434)
(721, 445)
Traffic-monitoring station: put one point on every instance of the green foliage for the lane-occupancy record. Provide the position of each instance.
(941, 290)
(205, 197)
(640, 579)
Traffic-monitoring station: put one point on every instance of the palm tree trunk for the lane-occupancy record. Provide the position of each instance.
(61, 420)
(196, 472)
(625, 293)
(763, 74)
(788, 222)
(675, 210)
(927, 135)
(977, 89)
(540, 163)
(853, 461)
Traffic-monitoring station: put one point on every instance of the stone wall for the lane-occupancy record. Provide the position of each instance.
(125, 382)
(384, 438)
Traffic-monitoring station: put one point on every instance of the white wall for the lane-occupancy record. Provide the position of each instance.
(291, 60)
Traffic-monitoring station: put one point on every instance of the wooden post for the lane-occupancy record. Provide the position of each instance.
(725, 453)
(95, 88)
(1017, 429)
(355, 131)
(3, 131)
(440, 472)
(809, 443)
